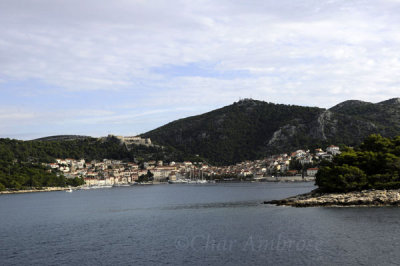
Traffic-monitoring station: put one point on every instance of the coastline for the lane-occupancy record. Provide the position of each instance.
(365, 198)
(50, 189)
(45, 189)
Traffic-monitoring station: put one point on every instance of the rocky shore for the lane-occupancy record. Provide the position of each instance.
(355, 198)
(45, 189)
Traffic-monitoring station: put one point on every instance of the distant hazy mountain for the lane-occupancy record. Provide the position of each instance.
(249, 129)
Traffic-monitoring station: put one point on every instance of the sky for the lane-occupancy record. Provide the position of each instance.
(125, 67)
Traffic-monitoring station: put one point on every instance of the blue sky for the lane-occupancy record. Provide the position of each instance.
(96, 67)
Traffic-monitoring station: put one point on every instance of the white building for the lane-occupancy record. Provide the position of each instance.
(333, 150)
(312, 171)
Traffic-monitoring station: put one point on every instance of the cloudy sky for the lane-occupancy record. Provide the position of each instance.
(96, 67)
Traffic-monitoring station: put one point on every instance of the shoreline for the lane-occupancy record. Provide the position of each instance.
(50, 189)
(45, 189)
(365, 198)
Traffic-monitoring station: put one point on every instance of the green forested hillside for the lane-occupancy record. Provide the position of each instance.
(88, 148)
(250, 129)
(236, 132)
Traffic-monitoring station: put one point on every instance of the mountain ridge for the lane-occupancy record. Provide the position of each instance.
(61, 138)
(250, 129)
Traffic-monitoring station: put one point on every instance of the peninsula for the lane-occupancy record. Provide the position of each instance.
(367, 175)
(354, 198)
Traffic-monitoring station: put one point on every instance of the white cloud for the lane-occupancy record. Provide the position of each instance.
(312, 52)
(13, 115)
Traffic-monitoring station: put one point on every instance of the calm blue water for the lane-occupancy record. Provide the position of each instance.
(215, 224)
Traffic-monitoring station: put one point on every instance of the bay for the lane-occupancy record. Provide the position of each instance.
(213, 224)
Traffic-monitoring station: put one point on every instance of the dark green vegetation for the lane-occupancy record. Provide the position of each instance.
(62, 137)
(20, 161)
(147, 177)
(87, 148)
(251, 129)
(17, 175)
(375, 164)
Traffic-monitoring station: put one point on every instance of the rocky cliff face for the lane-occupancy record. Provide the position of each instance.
(250, 129)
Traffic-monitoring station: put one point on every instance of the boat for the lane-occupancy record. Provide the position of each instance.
(69, 190)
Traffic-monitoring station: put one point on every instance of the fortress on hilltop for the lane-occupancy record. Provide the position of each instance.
(133, 140)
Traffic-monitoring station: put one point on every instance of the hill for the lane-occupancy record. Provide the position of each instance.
(250, 129)
(38, 151)
(62, 137)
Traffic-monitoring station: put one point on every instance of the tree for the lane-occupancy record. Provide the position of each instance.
(147, 177)
(375, 164)
(341, 179)
(295, 165)
(150, 175)
(75, 182)
(375, 143)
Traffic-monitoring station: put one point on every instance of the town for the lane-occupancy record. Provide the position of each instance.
(300, 165)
